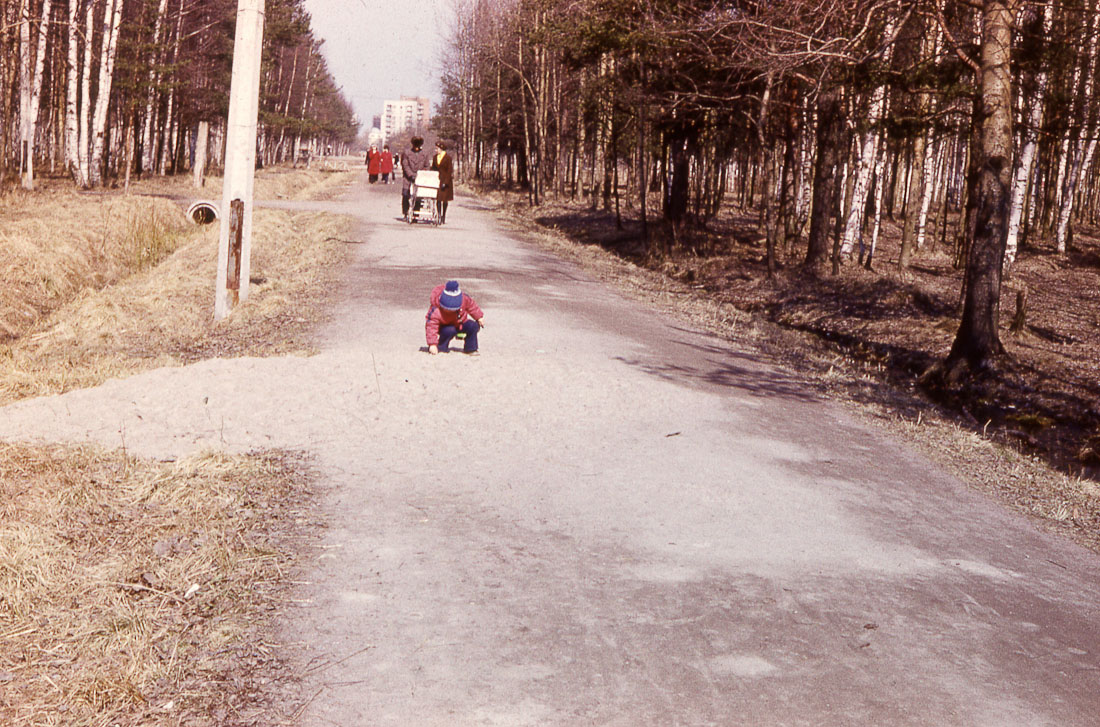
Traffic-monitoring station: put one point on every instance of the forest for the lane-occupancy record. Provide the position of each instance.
(829, 111)
(967, 128)
(99, 90)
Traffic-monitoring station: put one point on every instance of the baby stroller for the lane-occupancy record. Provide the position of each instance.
(423, 193)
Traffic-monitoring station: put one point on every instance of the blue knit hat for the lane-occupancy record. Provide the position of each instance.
(451, 297)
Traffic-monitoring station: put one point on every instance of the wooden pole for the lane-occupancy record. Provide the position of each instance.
(234, 240)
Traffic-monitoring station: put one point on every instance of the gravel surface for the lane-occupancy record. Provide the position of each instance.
(607, 518)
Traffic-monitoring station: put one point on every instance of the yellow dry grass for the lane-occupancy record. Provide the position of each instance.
(131, 589)
(53, 246)
(137, 592)
(80, 326)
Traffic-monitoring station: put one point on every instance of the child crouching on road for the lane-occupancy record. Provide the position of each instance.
(450, 313)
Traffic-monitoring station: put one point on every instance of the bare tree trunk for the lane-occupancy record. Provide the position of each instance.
(129, 150)
(803, 206)
(1034, 102)
(72, 74)
(768, 160)
(868, 148)
(25, 140)
(825, 186)
(1081, 148)
(305, 101)
(165, 144)
(30, 84)
(880, 187)
(928, 177)
(147, 146)
(36, 86)
(83, 175)
(978, 342)
(112, 20)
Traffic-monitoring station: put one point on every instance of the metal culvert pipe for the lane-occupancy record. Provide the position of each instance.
(203, 212)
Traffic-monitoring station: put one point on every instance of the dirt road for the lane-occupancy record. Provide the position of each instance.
(609, 519)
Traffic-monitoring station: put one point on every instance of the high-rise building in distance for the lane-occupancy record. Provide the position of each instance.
(408, 113)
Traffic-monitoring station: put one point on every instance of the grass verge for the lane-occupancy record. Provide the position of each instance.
(99, 326)
(137, 592)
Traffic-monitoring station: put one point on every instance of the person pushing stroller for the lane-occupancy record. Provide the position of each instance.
(412, 161)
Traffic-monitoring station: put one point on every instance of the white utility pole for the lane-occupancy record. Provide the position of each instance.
(235, 239)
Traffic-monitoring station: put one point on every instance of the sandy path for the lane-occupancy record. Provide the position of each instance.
(609, 519)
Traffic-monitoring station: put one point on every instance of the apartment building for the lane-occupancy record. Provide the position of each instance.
(409, 112)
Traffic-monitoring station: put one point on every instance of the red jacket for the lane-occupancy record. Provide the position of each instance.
(387, 162)
(437, 317)
(374, 163)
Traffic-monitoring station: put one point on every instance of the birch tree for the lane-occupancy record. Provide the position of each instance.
(73, 73)
(84, 178)
(869, 144)
(147, 146)
(112, 21)
(1033, 100)
(1082, 147)
(32, 62)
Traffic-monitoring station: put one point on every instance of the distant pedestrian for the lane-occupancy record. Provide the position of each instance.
(443, 164)
(374, 163)
(387, 165)
(412, 161)
(451, 313)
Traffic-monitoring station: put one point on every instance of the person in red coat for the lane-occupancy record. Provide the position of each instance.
(386, 165)
(451, 312)
(374, 163)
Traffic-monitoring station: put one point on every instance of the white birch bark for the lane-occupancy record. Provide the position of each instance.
(83, 176)
(36, 92)
(72, 74)
(868, 150)
(876, 227)
(147, 145)
(806, 159)
(1063, 165)
(931, 154)
(1077, 148)
(280, 150)
(112, 19)
(929, 165)
(165, 129)
(1030, 145)
(24, 90)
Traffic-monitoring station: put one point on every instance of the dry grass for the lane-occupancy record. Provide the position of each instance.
(53, 246)
(133, 591)
(100, 326)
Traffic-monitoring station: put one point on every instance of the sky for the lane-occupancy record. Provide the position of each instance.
(381, 49)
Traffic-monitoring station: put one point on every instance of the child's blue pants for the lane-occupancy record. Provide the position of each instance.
(470, 328)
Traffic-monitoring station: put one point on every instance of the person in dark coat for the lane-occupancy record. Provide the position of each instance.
(443, 164)
(412, 161)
